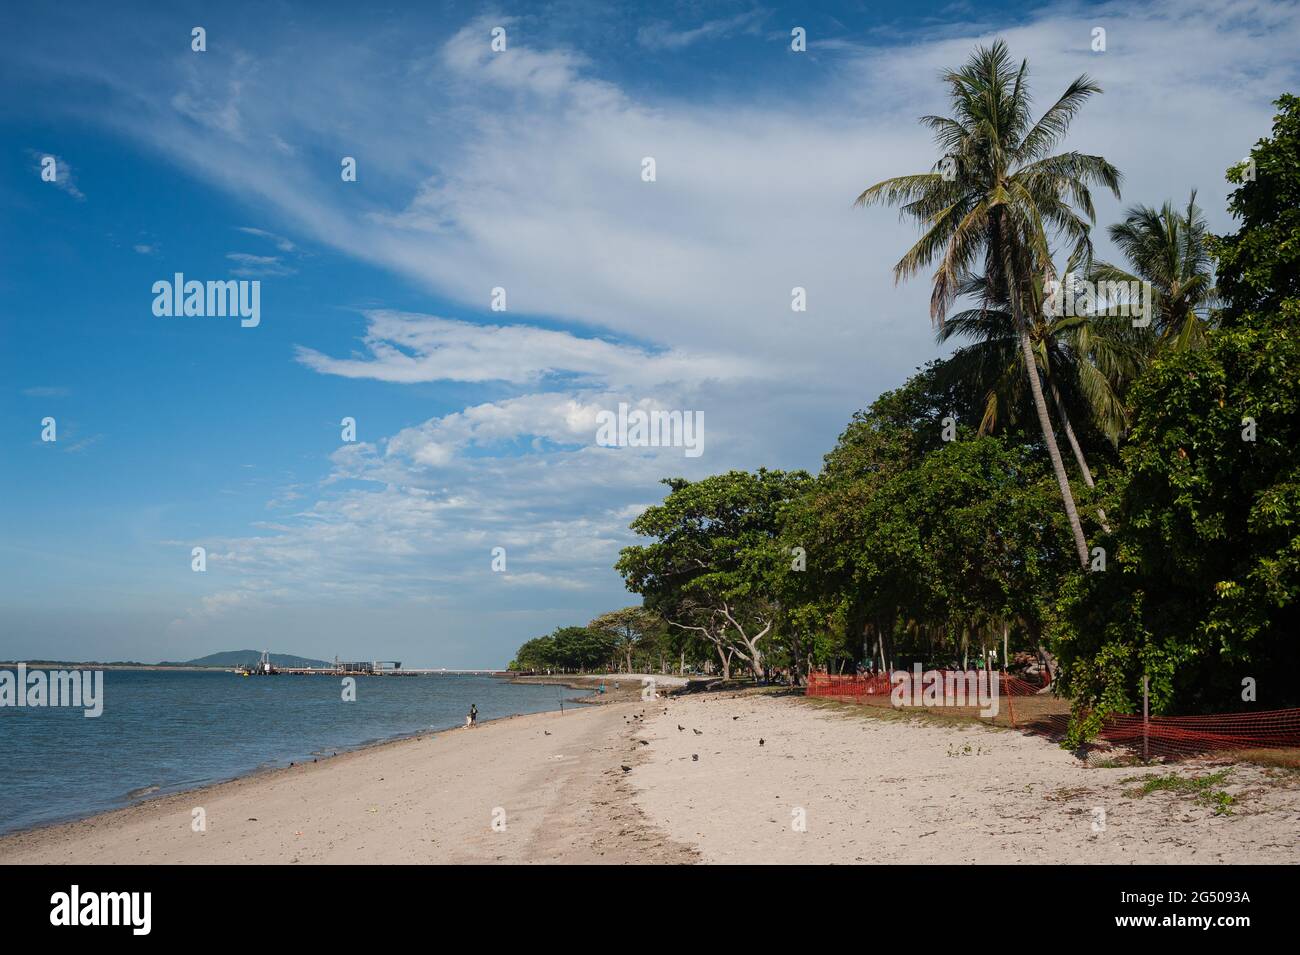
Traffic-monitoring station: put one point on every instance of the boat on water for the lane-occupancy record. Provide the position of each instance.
(264, 667)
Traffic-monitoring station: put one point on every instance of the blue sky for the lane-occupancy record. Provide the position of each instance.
(475, 170)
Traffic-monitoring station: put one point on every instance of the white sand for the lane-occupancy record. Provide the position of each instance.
(881, 790)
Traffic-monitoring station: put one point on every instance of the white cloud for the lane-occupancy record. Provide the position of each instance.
(280, 242)
(253, 266)
(64, 177)
(662, 35)
(407, 348)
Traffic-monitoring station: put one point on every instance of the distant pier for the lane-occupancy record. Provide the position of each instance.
(367, 671)
(265, 667)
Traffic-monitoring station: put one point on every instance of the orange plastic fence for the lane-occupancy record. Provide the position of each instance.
(1157, 736)
(829, 684)
(1189, 735)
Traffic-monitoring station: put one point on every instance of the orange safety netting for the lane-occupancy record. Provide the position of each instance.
(829, 684)
(1189, 735)
(1156, 736)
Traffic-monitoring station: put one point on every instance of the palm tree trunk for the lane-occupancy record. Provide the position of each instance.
(1040, 403)
(1069, 436)
(1049, 438)
(1078, 451)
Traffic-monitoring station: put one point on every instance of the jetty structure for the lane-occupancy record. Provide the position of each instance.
(264, 667)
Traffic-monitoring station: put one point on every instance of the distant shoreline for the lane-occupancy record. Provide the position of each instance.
(182, 667)
(71, 665)
(619, 687)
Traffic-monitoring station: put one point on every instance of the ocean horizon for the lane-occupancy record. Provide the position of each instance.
(166, 731)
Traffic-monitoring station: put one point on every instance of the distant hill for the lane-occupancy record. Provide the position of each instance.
(234, 658)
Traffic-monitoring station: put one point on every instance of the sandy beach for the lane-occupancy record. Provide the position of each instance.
(621, 783)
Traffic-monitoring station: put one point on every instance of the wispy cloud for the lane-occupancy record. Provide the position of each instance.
(255, 266)
(408, 348)
(280, 242)
(664, 35)
(49, 164)
(83, 444)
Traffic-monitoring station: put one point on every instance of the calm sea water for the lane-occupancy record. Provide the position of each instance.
(165, 731)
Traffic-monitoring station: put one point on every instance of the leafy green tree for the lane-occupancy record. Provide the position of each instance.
(579, 648)
(567, 648)
(709, 567)
(1257, 265)
(993, 197)
(1204, 582)
(967, 541)
(916, 546)
(627, 629)
(536, 654)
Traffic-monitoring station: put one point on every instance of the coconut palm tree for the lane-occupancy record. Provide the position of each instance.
(1085, 361)
(994, 195)
(1167, 248)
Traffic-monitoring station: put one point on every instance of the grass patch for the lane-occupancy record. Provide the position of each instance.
(1200, 787)
(939, 716)
(1030, 711)
(1279, 758)
(1116, 762)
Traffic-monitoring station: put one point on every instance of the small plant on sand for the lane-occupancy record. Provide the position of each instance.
(1199, 786)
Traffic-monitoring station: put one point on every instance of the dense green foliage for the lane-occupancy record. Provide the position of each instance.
(1258, 273)
(567, 649)
(1206, 566)
(710, 567)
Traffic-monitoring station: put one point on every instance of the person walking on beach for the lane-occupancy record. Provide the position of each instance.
(473, 716)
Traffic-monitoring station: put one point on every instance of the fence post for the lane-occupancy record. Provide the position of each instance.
(1146, 722)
